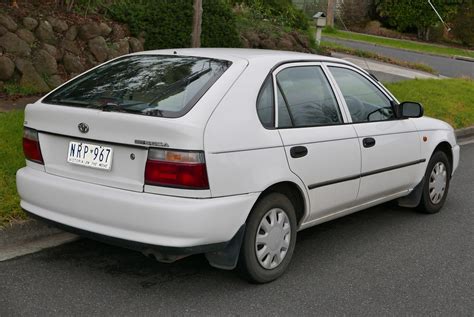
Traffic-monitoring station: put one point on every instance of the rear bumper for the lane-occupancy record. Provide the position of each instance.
(144, 218)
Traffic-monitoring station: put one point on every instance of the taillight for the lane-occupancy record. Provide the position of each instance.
(172, 168)
(31, 146)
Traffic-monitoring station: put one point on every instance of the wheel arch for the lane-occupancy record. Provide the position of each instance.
(294, 192)
(445, 147)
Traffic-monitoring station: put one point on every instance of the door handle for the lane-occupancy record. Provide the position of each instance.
(368, 142)
(298, 151)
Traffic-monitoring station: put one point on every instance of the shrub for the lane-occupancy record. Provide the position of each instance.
(463, 24)
(168, 24)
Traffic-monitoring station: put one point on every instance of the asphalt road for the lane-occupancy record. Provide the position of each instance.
(383, 261)
(443, 65)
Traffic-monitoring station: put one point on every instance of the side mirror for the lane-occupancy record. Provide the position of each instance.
(410, 109)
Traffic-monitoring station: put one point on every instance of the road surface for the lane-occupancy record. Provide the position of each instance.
(445, 66)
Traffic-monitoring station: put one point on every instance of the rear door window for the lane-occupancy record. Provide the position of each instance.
(153, 85)
(305, 98)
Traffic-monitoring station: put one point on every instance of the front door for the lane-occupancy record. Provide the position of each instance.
(390, 147)
(322, 149)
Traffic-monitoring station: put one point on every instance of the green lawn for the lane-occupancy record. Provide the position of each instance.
(403, 44)
(451, 100)
(11, 154)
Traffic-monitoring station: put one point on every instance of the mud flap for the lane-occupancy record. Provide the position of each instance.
(414, 198)
(227, 258)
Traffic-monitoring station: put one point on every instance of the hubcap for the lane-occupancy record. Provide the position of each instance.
(273, 238)
(437, 185)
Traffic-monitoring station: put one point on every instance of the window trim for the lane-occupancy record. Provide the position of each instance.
(339, 103)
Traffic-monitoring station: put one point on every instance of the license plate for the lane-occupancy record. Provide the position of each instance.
(90, 155)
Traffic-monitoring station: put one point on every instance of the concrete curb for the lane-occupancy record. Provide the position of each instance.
(464, 58)
(30, 236)
(465, 132)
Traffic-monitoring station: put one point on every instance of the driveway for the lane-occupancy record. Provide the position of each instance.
(383, 261)
(446, 66)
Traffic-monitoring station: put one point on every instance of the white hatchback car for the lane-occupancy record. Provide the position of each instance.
(227, 152)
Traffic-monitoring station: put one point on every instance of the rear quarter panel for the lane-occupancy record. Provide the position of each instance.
(241, 155)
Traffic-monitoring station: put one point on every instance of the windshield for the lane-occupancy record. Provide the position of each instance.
(153, 85)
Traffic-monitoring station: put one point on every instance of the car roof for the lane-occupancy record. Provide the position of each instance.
(271, 57)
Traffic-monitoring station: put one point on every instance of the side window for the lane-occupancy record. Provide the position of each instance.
(306, 98)
(265, 103)
(364, 100)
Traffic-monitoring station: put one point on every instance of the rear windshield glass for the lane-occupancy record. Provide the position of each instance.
(153, 85)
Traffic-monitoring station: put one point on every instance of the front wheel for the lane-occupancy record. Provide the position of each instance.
(269, 239)
(436, 185)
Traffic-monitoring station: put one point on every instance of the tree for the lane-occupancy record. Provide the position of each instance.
(197, 22)
(406, 14)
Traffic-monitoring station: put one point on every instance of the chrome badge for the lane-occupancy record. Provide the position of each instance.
(83, 128)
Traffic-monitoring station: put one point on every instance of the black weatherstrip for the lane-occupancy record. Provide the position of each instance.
(350, 178)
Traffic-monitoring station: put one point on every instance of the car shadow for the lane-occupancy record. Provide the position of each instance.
(315, 245)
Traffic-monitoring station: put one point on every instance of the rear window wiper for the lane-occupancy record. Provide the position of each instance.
(113, 107)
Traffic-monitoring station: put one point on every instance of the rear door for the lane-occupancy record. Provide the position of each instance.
(321, 149)
(390, 147)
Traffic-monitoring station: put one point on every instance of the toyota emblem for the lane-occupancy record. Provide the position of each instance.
(84, 128)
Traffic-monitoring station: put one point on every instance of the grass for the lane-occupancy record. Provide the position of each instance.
(334, 47)
(402, 44)
(15, 89)
(451, 100)
(11, 154)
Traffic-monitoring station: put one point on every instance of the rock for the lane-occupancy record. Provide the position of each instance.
(123, 46)
(30, 23)
(8, 22)
(118, 32)
(89, 31)
(26, 36)
(44, 63)
(104, 29)
(3, 30)
(70, 46)
(53, 51)
(20, 63)
(135, 45)
(45, 33)
(58, 25)
(90, 60)
(72, 63)
(112, 52)
(7, 67)
(285, 44)
(71, 34)
(54, 81)
(30, 78)
(14, 45)
(98, 48)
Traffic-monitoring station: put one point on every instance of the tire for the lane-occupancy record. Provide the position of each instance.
(274, 205)
(432, 200)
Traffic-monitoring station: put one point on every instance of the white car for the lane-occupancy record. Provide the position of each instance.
(227, 152)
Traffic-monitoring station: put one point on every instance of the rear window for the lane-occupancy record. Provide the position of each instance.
(153, 85)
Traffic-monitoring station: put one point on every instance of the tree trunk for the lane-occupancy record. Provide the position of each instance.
(197, 21)
(330, 13)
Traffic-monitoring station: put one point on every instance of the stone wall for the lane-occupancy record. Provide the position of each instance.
(39, 53)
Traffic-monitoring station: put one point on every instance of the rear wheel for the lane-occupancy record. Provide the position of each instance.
(436, 186)
(269, 239)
